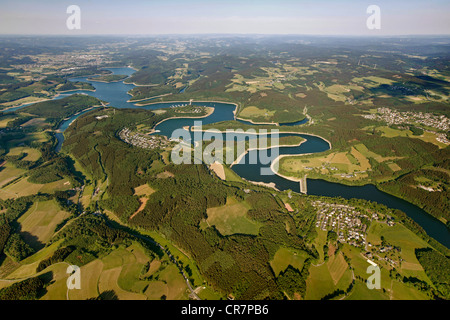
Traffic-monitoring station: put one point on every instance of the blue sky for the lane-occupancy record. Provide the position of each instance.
(325, 17)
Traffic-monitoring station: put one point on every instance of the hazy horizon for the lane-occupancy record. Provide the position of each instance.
(200, 17)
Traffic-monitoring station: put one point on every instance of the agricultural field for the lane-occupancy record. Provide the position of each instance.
(326, 277)
(5, 119)
(31, 153)
(38, 224)
(348, 165)
(119, 275)
(399, 236)
(109, 78)
(253, 112)
(9, 172)
(22, 187)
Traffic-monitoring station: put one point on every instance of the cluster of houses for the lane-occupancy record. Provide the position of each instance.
(9, 129)
(65, 60)
(439, 122)
(191, 110)
(143, 140)
(345, 220)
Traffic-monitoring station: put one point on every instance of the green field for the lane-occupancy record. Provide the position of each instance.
(361, 292)
(232, 218)
(22, 188)
(253, 112)
(319, 242)
(337, 266)
(109, 78)
(319, 283)
(39, 222)
(8, 172)
(32, 154)
(398, 235)
(402, 291)
(285, 257)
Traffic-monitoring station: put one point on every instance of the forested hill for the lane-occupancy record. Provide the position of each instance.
(56, 110)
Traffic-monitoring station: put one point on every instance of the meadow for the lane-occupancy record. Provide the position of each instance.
(232, 218)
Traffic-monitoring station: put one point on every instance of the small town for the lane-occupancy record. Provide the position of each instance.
(345, 220)
(67, 62)
(427, 119)
(188, 108)
(143, 140)
(351, 227)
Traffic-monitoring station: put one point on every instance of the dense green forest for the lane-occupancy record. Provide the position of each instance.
(56, 110)
(436, 266)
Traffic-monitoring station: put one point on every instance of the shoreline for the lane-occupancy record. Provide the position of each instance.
(210, 112)
(259, 123)
(58, 93)
(264, 184)
(281, 132)
(139, 85)
(143, 105)
(195, 101)
(273, 123)
(65, 91)
(276, 146)
(103, 81)
(76, 114)
(25, 103)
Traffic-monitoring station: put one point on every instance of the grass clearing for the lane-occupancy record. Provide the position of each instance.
(108, 281)
(156, 289)
(5, 119)
(90, 274)
(175, 283)
(232, 218)
(22, 188)
(32, 154)
(392, 133)
(337, 267)
(362, 160)
(39, 222)
(230, 175)
(143, 190)
(206, 293)
(285, 257)
(319, 242)
(338, 164)
(319, 283)
(369, 154)
(431, 137)
(8, 173)
(403, 292)
(57, 289)
(253, 112)
(165, 175)
(372, 81)
(394, 167)
(361, 292)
